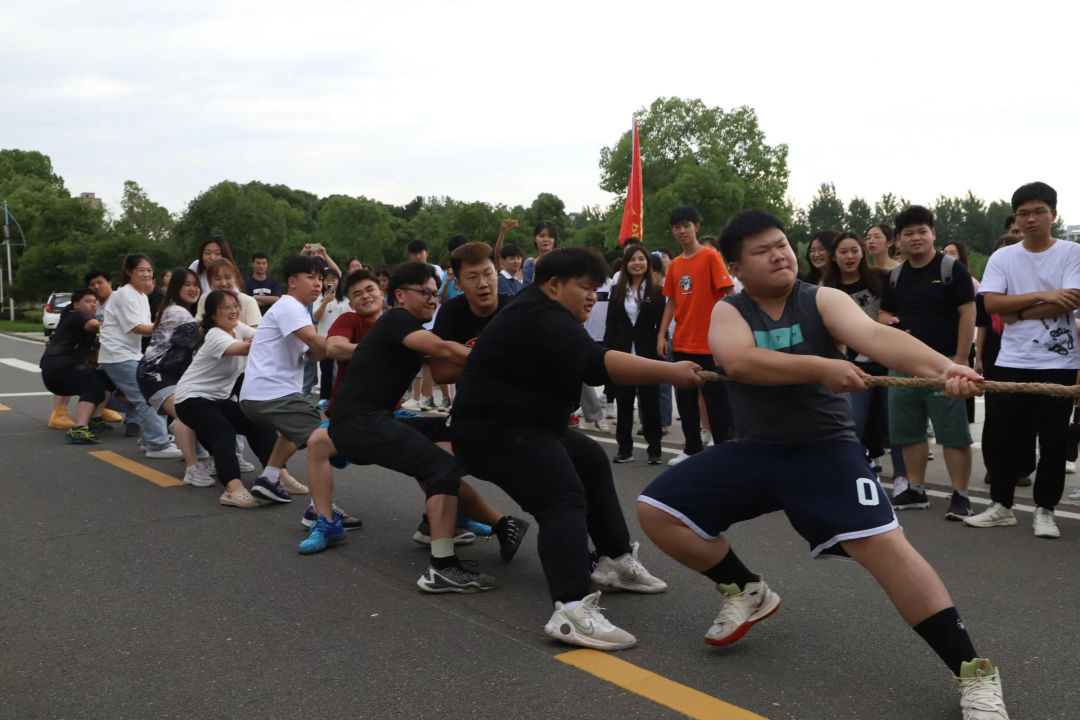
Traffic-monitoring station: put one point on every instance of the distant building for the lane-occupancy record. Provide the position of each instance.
(1072, 233)
(91, 199)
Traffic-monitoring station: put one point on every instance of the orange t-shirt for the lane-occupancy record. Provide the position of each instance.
(695, 285)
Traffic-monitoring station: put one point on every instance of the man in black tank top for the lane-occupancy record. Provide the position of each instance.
(793, 449)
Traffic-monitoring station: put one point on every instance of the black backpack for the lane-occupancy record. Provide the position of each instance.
(947, 263)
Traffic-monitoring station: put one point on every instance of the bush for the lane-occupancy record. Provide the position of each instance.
(33, 316)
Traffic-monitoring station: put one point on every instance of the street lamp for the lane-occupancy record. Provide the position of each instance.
(7, 241)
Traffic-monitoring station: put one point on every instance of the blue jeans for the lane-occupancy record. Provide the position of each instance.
(155, 432)
(125, 409)
(861, 405)
(665, 395)
(311, 375)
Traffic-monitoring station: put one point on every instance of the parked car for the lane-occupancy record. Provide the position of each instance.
(57, 302)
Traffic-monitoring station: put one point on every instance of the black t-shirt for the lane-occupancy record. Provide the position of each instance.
(69, 342)
(992, 345)
(527, 369)
(381, 367)
(456, 321)
(927, 306)
(263, 288)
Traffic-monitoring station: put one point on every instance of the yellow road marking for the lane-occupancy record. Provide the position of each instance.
(158, 478)
(659, 689)
(4, 407)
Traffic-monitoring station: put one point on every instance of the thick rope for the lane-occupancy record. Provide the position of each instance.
(987, 385)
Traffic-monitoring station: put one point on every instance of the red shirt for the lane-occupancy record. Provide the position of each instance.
(351, 327)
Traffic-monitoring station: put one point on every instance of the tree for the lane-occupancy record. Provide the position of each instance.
(29, 164)
(859, 216)
(142, 216)
(948, 219)
(716, 160)
(358, 227)
(826, 211)
(886, 209)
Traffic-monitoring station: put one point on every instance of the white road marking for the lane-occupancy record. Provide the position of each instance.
(19, 339)
(33, 394)
(21, 364)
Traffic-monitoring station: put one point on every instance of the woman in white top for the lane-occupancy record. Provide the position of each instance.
(211, 249)
(126, 321)
(222, 274)
(328, 309)
(203, 395)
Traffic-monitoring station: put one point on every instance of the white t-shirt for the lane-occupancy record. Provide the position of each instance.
(127, 307)
(1036, 344)
(249, 310)
(333, 310)
(276, 362)
(212, 373)
(597, 322)
(203, 282)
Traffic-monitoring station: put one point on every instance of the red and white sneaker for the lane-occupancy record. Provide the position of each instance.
(741, 610)
(575, 421)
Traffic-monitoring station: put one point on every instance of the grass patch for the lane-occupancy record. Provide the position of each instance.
(21, 326)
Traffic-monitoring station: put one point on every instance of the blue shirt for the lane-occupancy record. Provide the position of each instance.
(452, 290)
(509, 285)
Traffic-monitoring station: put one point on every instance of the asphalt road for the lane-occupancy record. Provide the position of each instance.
(123, 599)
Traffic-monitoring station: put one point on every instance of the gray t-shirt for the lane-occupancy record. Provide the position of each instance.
(789, 414)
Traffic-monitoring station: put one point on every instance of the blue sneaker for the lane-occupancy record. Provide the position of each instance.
(347, 521)
(322, 404)
(478, 529)
(322, 535)
(272, 491)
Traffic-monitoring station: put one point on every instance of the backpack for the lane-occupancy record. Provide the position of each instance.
(947, 263)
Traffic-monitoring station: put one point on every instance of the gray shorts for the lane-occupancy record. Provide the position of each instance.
(292, 416)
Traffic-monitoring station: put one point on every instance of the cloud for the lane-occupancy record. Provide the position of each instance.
(84, 87)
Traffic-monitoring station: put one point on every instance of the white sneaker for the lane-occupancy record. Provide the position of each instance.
(411, 405)
(740, 611)
(929, 429)
(209, 465)
(197, 476)
(1074, 496)
(601, 425)
(586, 626)
(427, 404)
(900, 484)
(997, 515)
(245, 466)
(169, 452)
(677, 459)
(202, 454)
(1070, 467)
(609, 411)
(706, 438)
(980, 691)
(1044, 524)
(627, 573)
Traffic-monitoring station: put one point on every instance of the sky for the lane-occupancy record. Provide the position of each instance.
(499, 101)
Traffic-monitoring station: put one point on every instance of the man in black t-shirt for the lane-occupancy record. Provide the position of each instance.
(535, 355)
(936, 304)
(462, 318)
(265, 290)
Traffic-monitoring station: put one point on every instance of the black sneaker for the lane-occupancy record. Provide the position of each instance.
(456, 578)
(623, 458)
(347, 521)
(959, 508)
(1024, 481)
(422, 535)
(875, 465)
(911, 499)
(131, 430)
(510, 534)
(655, 460)
(270, 490)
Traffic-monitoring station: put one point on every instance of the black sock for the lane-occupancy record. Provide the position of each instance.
(499, 528)
(730, 571)
(98, 419)
(441, 563)
(946, 634)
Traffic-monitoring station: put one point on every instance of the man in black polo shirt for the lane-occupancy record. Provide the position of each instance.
(508, 426)
(930, 296)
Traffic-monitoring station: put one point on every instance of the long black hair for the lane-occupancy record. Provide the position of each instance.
(961, 250)
(172, 293)
(130, 263)
(825, 237)
(213, 302)
(871, 278)
(618, 293)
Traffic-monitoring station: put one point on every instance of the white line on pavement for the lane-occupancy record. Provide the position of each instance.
(33, 394)
(21, 364)
(26, 340)
(986, 501)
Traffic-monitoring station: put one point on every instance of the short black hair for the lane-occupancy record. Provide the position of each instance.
(80, 294)
(628, 242)
(665, 251)
(684, 213)
(913, 216)
(566, 263)
(745, 224)
(455, 242)
(550, 227)
(1009, 222)
(1036, 191)
(410, 273)
(711, 241)
(302, 265)
(259, 256)
(510, 251)
(417, 246)
(96, 272)
(358, 276)
(475, 253)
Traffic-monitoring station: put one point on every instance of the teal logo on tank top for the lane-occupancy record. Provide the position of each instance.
(778, 338)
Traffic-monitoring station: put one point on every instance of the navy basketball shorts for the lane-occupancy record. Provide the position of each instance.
(827, 489)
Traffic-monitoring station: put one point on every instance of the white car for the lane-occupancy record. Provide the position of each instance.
(51, 316)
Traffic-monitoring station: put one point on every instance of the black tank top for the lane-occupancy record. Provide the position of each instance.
(789, 414)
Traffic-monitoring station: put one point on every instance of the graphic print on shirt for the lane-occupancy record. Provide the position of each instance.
(779, 338)
(1060, 342)
(687, 284)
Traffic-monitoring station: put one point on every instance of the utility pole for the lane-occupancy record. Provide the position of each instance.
(7, 241)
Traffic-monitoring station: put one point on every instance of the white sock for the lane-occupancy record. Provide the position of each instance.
(272, 474)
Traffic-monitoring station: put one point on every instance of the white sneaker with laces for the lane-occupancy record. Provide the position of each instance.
(169, 452)
(585, 625)
(627, 573)
(245, 466)
(677, 459)
(741, 610)
(981, 697)
(411, 405)
(1070, 467)
(1044, 524)
(1074, 496)
(601, 425)
(197, 476)
(997, 515)
(209, 465)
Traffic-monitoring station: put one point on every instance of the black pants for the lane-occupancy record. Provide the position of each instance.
(992, 434)
(649, 398)
(716, 405)
(216, 424)
(566, 484)
(70, 378)
(326, 378)
(1013, 421)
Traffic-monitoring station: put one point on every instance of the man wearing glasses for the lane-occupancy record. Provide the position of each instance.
(1035, 288)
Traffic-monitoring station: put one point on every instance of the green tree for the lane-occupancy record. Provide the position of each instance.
(29, 164)
(142, 216)
(975, 230)
(351, 226)
(859, 216)
(886, 209)
(948, 219)
(826, 211)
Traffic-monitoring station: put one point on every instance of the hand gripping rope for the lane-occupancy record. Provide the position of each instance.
(986, 385)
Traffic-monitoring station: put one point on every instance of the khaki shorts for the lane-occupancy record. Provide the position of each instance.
(292, 416)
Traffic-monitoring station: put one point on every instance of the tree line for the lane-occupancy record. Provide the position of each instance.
(714, 159)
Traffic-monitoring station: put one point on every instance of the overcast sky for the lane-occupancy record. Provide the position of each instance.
(500, 101)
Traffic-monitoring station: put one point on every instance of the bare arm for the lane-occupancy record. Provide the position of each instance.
(339, 348)
(885, 318)
(966, 334)
(321, 252)
(503, 228)
(427, 342)
(144, 330)
(321, 310)
(980, 343)
(316, 343)
(1042, 311)
(665, 323)
(627, 369)
(446, 370)
(92, 325)
(1001, 304)
(238, 348)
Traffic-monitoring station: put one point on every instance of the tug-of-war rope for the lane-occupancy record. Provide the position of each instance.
(987, 385)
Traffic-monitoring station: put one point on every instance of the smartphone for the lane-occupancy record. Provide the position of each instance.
(329, 288)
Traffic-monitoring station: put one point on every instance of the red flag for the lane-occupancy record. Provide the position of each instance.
(634, 210)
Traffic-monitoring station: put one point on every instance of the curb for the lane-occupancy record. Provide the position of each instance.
(25, 339)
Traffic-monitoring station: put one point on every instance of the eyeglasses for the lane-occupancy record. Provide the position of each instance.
(428, 294)
(1038, 212)
(487, 278)
(230, 308)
